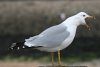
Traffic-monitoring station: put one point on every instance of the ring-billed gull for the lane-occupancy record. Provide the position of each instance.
(56, 37)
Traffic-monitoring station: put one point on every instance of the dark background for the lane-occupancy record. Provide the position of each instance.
(20, 20)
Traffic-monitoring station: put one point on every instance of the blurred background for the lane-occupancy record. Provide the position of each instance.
(21, 19)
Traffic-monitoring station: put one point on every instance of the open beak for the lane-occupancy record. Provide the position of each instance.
(88, 27)
(90, 17)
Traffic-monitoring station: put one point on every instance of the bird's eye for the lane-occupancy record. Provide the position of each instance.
(83, 15)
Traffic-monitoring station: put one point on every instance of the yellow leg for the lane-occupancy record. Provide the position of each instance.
(52, 54)
(59, 62)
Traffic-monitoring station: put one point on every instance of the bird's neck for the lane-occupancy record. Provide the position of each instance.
(71, 25)
(72, 21)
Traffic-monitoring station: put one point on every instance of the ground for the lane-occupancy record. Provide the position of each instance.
(94, 63)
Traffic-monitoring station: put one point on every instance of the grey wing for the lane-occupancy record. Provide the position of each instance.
(31, 38)
(54, 30)
(52, 37)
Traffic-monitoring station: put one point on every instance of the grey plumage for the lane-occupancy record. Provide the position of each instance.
(51, 37)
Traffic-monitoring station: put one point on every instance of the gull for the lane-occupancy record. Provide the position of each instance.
(55, 38)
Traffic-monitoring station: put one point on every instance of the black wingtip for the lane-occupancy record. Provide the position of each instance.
(17, 46)
(20, 45)
(13, 46)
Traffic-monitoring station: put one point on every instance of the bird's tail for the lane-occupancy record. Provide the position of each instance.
(17, 46)
(20, 45)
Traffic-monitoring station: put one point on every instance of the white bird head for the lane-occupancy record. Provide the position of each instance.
(82, 16)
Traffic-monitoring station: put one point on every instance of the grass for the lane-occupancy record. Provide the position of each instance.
(47, 58)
